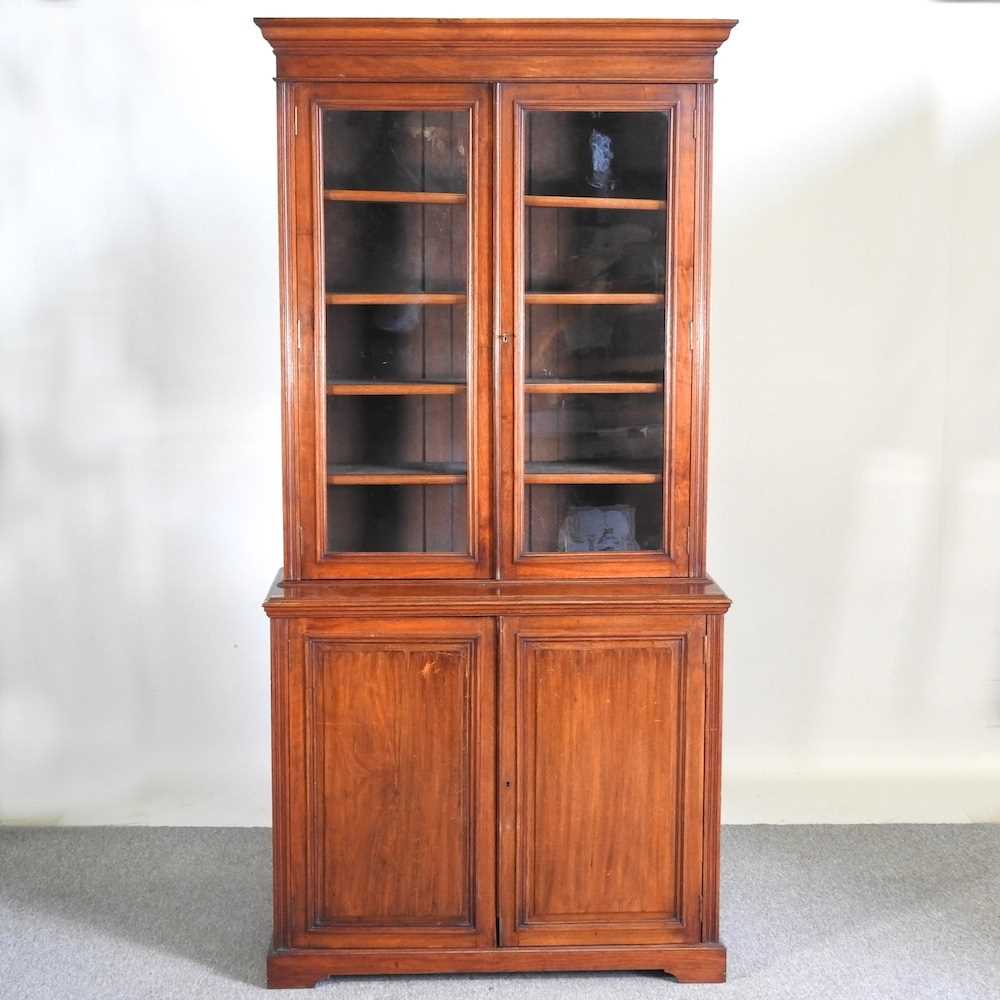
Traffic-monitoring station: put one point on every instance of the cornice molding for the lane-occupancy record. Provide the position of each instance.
(316, 35)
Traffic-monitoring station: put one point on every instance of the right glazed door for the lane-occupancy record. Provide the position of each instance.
(601, 779)
(596, 269)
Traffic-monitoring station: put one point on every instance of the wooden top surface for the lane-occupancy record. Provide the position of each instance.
(699, 32)
(455, 49)
(492, 597)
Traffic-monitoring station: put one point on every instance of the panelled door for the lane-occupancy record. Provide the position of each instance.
(601, 779)
(391, 750)
(390, 194)
(597, 227)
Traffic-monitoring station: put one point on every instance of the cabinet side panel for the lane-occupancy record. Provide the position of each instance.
(700, 322)
(279, 780)
(287, 311)
(713, 779)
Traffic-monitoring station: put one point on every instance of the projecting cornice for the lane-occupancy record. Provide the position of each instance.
(386, 49)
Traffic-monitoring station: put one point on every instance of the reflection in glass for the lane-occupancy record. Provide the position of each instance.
(608, 154)
(595, 250)
(395, 150)
(594, 342)
(593, 428)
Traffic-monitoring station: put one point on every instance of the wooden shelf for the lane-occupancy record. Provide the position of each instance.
(343, 388)
(592, 298)
(538, 387)
(426, 474)
(399, 197)
(394, 298)
(569, 473)
(627, 204)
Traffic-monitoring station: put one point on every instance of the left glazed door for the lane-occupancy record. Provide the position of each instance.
(389, 330)
(390, 767)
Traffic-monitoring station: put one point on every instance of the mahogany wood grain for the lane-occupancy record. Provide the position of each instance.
(396, 197)
(587, 472)
(502, 760)
(580, 387)
(307, 348)
(601, 833)
(392, 786)
(347, 598)
(394, 298)
(697, 963)
(592, 298)
(564, 201)
(421, 50)
(713, 778)
(369, 475)
(516, 99)
(395, 388)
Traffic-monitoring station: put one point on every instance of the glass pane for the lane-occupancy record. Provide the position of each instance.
(595, 518)
(395, 150)
(391, 343)
(395, 430)
(594, 250)
(396, 259)
(622, 431)
(594, 342)
(396, 518)
(609, 154)
(595, 312)
(392, 248)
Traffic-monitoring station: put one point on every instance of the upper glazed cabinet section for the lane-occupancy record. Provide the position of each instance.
(680, 51)
(494, 297)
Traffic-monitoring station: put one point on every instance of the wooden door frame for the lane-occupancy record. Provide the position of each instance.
(303, 321)
(296, 787)
(682, 399)
(513, 784)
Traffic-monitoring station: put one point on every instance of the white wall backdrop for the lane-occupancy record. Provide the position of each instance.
(855, 448)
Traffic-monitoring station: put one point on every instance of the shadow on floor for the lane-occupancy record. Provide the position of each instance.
(197, 893)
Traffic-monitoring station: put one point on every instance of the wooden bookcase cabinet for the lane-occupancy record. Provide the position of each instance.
(496, 654)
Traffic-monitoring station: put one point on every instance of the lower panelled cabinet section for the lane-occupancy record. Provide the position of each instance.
(491, 794)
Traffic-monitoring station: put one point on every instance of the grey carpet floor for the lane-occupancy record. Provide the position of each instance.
(809, 913)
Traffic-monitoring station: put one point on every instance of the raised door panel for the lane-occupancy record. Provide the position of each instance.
(601, 775)
(393, 784)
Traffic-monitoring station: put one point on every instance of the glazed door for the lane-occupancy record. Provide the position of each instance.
(390, 332)
(392, 790)
(596, 328)
(601, 761)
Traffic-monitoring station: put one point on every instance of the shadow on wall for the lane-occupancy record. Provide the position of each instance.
(139, 474)
(856, 472)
